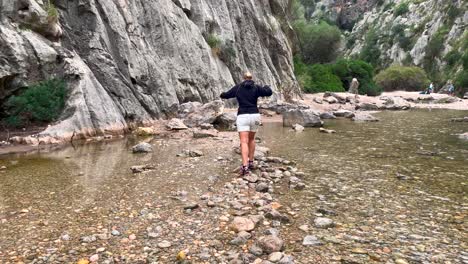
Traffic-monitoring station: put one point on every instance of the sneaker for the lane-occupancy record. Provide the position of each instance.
(244, 170)
(251, 165)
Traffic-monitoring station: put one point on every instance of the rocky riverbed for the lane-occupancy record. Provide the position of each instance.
(391, 191)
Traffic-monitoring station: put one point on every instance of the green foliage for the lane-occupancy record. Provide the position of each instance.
(228, 52)
(398, 32)
(402, 78)
(452, 13)
(388, 6)
(213, 41)
(433, 50)
(371, 52)
(40, 103)
(461, 82)
(452, 58)
(401, 9)
(346, 70)
(317, 78)
(52, 13)
(319, 42)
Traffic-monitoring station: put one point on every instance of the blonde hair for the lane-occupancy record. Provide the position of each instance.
(247, 76)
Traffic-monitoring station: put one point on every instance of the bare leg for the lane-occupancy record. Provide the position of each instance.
(251, 145)
(244, 140)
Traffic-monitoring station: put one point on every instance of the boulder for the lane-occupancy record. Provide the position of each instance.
(339, 98)
(298, 128)
(364, 117)
(306, 118)
(446, 100)
(367, 107)
(395, 103)
(327, 115)
(187, 108)
(204, 114)
(142, 147)
(465, 96)
(145, 131)
(176, 124)
(226, 121)
(330, 100)
(318, 100)
(344, 113)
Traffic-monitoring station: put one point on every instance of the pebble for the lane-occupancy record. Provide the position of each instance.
(270, 244)
(115, 233)
(311, 241)
(275, 257)
(323, 222)
(401, 261)
(164, 244)
(94, 258)
(242, 224)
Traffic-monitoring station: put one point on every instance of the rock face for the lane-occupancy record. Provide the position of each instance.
(306, 118)
(401, 38)
(131, 62)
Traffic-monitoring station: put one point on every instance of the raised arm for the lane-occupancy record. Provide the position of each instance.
(264, 91)
(229, 94)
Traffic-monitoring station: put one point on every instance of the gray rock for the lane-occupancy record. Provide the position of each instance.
(311, 241)
(191, 206)
(275, 257)
(275, 215)
(337, 98)
(206, 126)
(270, 244)
(395, 103)
(327, 115)
(88, 239)
(323, 222)
(306, 118)
(465, 119)
(164, 244)
(464, 136)
(242, 238)
(207, 113)
(122, 77)
(115, 232)
(446, 100)
(298, 128)
(253, 178)
(262, 187)
(240, 224)
(465, 96)
(205, 133)
(327, 131)
(367, 107)
(142, 148)
(287, 259)
(364, 117)
(255, 250)
(344, 113)
(176, 124)
(226, 121)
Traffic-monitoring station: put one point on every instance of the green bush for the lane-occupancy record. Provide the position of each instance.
(402, 78)
(52, 13)
(213, 41)
(452, 58)
(317, 78)
(346, 70)
(40, 103)
(401, 9)
(461, 82)
(319, 43)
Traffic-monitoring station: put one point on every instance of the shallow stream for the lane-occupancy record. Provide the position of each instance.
(397, 189)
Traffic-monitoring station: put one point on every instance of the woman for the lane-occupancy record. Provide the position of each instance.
(248, 116)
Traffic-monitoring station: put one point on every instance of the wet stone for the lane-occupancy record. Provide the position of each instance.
(323, 222)
(311, 241)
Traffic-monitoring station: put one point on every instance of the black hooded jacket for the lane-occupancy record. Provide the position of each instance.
(247, 94)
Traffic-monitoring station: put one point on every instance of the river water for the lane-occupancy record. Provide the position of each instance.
(396, 189)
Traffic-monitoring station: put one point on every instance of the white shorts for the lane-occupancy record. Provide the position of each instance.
(248, 122)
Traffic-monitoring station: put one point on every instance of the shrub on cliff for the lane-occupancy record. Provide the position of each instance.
(401, 9)
(319, 43)
(402, 78)
(40, 103)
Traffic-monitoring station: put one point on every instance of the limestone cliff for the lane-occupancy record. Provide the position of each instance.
(419, 32)
(134, 61)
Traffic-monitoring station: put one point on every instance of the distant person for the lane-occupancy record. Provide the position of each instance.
(248, 117)
(431, 88)
(451, 89)
(354, 86)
